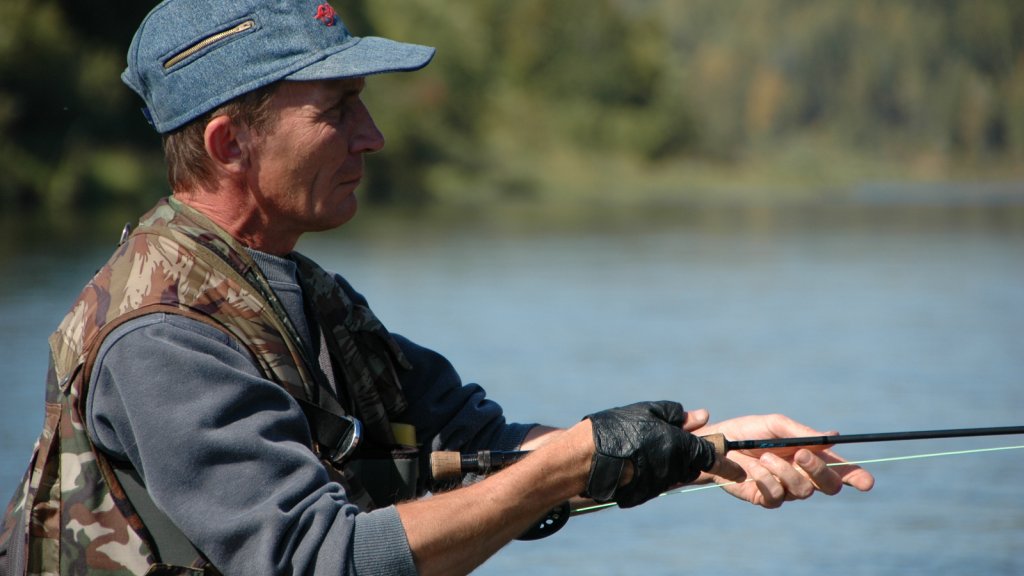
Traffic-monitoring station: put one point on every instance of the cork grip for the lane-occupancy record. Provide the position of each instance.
(718, 441)
(445, 465)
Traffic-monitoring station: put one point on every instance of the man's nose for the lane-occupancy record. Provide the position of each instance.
(367, 137)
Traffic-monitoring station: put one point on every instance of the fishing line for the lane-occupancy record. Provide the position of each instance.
(932, 455)
(596, 507)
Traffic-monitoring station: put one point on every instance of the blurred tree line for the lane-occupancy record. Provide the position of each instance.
(533, 98)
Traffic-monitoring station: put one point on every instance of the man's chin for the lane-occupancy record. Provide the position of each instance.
(341, 214)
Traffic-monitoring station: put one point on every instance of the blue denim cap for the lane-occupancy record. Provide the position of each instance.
(190, 56)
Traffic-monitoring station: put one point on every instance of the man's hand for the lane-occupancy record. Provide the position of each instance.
(780, 475)
(650, 437)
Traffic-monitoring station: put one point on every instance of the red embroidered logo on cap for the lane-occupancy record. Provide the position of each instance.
(325, 14)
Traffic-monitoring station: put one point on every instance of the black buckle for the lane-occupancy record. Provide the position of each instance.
(338, 449)
(335, 436)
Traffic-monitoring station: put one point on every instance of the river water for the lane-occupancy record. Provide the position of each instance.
(860, 320)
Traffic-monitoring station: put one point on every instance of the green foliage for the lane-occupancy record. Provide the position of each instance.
(70, 134)
(528, 97)
(534, 96)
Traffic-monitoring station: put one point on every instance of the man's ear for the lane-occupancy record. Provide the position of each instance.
(223, 140)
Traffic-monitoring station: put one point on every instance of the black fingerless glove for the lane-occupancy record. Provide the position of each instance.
(650, 435)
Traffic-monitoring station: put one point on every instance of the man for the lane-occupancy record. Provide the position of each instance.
(217, 400)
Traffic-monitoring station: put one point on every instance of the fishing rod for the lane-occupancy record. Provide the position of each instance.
(453, 465)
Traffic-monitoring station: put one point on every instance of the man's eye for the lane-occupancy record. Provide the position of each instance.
(341, 110)
(335, 114)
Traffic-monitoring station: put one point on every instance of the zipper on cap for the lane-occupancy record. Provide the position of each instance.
(209, 40)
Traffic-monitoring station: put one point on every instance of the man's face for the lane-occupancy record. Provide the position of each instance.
(307, 163)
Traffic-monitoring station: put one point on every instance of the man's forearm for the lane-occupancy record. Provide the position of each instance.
(539, 436)
(454, 532)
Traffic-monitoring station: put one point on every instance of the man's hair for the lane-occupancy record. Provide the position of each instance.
(185, 151)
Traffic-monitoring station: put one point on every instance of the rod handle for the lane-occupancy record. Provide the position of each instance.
(719, 442)
(445, 465)
(452, 465)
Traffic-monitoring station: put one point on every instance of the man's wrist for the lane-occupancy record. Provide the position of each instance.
(578, 443)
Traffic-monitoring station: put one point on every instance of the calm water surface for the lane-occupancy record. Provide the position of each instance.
(853, 323)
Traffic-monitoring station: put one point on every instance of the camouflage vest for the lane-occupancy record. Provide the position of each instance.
(70, 508)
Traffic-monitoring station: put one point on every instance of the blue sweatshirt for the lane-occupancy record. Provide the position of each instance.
(224, 452)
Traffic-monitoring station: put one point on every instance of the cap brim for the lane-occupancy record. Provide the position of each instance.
(367, 56)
